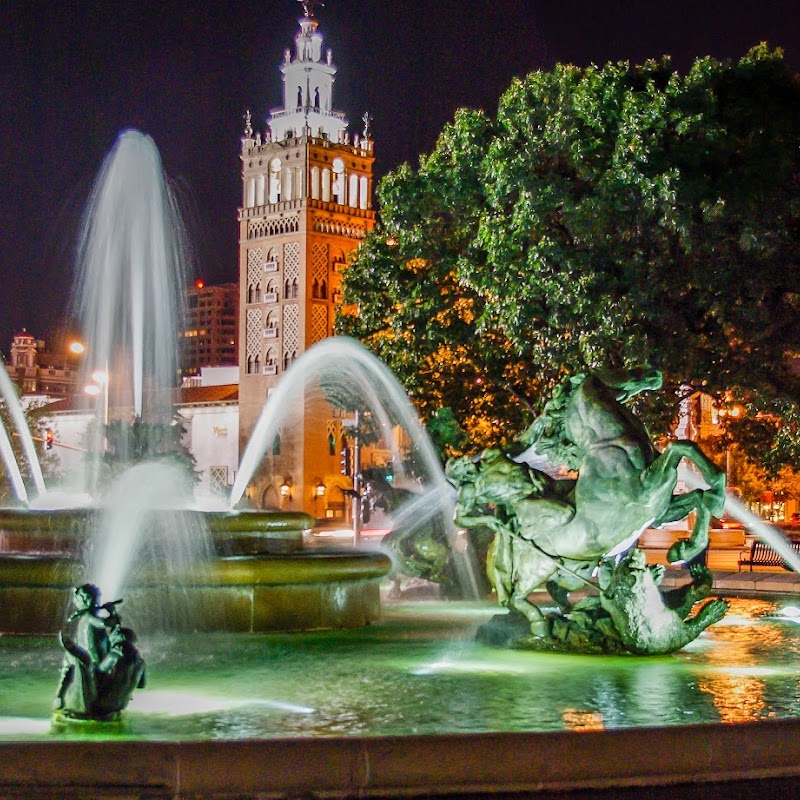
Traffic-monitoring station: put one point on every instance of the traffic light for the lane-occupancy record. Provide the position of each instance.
(48, 439)
(346, 462)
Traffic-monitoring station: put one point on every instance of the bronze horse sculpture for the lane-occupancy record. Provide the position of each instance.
(554, 533)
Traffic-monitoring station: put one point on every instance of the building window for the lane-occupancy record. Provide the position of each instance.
(339, 182)
(218, 480)
(275, 180)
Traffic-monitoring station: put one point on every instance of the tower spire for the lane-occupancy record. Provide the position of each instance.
(308, 78)
(309, 6)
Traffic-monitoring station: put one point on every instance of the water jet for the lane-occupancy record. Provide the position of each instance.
(408, 705)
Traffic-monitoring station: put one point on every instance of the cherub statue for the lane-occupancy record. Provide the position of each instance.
(102, 666)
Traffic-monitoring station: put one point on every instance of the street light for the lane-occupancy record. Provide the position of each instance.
(100, 378)
(100, 384)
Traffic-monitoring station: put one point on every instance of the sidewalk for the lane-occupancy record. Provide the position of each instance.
(725, 550)
(777, 581)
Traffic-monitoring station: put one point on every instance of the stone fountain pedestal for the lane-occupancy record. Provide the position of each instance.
(262, 579)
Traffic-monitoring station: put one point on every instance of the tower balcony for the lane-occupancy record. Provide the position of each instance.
(301, 111)
(294, 205)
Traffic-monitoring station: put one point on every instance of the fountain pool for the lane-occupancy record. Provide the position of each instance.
(409, 705)
(414, 703)
(419, 671)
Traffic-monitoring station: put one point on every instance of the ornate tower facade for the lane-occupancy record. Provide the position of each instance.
(306, 204)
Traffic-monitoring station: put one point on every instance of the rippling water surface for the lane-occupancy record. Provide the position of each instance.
(420, 671)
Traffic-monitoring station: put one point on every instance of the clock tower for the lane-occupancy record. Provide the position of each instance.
(306, 204)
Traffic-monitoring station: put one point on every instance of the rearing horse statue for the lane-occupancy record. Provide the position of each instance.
(553, 533)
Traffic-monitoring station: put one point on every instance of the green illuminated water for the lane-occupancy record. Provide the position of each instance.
(419, 672)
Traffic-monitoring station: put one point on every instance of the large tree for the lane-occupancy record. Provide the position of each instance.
(617, 215)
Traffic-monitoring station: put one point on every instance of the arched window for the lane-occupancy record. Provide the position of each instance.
(260, 182)
(315, 288)
(323, 289)
(287, 288)
(331, 444)
(297, 189)
(338, 182)
(285, 361)
(353, 198)
(276, 445)
(339, 261)
(326, 186)
(315, 183)
(316, 97)
(257, 364)
(286, 189)
(275, 180)
(299, 97)
(250, 365)
(294, 288)
(363, 192)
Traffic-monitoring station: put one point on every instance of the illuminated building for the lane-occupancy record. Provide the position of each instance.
(307, 204)
(209, 337)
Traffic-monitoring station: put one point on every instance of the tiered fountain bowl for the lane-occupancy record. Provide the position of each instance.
(260, 579)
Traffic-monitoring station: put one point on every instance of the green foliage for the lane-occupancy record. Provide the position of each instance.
(446, 434)
(403, 298)
(614, 215)
(130, 443)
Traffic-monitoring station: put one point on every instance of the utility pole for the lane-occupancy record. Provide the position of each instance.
(356, 480)
(351, 465)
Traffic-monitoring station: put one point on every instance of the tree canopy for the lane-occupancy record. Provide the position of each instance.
(606, 216)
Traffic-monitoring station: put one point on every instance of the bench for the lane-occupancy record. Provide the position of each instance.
(761, 554)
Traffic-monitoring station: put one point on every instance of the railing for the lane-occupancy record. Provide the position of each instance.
(270, 333)
(270, 369)
(292, 205)
(270, 297)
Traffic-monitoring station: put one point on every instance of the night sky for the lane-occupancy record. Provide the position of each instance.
(73, 74)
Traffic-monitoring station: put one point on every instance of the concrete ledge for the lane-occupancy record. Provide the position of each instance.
(310, 590)
(463, 765)
(65, 532)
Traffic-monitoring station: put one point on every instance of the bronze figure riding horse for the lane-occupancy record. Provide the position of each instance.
(554, 532)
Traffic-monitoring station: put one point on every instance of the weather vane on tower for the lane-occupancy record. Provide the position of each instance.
(309, 6)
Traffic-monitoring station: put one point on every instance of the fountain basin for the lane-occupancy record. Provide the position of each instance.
(304, 590)
(413, 706)
(65, 531)
(735, 761)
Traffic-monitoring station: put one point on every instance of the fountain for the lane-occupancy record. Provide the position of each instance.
(411, 705)
(232, 569)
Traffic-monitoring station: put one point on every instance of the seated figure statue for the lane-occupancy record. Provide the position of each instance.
(102, 665)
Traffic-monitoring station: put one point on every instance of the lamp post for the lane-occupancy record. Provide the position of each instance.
(100, 384)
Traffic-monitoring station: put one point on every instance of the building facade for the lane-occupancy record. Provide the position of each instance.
(210, 336)
(36, 371)
(306, 205)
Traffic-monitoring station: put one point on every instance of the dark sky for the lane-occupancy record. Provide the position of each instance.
(73, 73)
